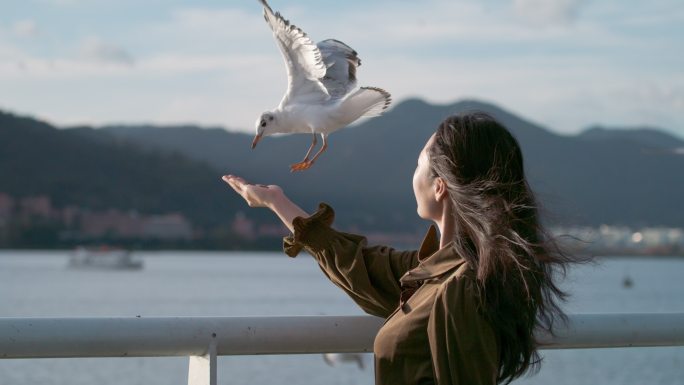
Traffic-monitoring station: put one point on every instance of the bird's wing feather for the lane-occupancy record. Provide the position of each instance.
(341, 62)
(367, 101)
(303, 59)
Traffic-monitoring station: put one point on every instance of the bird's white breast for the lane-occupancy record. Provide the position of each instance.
(305, 118)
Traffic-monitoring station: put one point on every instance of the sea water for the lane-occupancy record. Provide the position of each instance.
(39, 284)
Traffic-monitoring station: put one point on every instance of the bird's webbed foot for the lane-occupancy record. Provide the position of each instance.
(301, 166)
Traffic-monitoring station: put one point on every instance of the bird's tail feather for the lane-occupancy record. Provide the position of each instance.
(367, 101)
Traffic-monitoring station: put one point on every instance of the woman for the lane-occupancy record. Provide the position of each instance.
(461, 309)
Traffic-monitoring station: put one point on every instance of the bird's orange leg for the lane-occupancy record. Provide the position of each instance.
(308, 163)
(323, 148)
(303, 164)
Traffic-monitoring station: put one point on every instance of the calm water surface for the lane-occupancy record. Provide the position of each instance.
(38, 284)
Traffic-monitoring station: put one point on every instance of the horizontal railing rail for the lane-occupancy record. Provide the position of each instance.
(183, 336)
(204, 338)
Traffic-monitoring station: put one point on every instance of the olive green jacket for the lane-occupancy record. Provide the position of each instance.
(433, 333)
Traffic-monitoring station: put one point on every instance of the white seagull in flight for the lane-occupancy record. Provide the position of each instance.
(320, 97)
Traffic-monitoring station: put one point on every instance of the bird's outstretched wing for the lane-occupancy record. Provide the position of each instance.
(303, 59)
(366, 101)
(341, 62)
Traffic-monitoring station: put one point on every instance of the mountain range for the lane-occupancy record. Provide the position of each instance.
(99, 172)
(601, 176)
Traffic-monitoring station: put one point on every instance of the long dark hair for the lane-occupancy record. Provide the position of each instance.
(500, 235)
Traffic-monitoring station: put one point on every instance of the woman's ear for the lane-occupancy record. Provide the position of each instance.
(441, 191)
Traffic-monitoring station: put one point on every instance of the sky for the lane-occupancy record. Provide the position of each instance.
(564, 64)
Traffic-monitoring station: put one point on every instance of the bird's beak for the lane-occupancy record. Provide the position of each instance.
(256, 140)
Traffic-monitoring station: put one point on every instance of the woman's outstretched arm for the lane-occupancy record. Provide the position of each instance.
(269, 196)
(369, 275)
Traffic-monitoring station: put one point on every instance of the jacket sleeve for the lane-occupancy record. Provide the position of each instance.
(462, 343)
(369, 275)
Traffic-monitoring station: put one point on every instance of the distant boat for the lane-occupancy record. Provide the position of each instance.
(104, 258)
(334, 359)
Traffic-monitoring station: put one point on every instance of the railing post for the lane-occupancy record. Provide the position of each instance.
(202, 369)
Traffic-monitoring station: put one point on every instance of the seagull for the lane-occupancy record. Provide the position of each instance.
(321, 94)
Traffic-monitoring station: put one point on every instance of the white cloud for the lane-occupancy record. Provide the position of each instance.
(204, 29)
(548, 12)
(668, 96)
(8, 52)
(63, 2)
(25, 28)
(179, 63)
(221, 65)
(97, 50)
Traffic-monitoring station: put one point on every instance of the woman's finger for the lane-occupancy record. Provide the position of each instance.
(240, 179)
(233, 183)
(232, 178)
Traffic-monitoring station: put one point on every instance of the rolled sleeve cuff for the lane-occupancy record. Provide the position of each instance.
(313, 232)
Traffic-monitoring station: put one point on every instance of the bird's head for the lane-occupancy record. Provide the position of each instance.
(264, 127)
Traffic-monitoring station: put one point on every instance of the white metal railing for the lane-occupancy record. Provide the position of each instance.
(205, 338)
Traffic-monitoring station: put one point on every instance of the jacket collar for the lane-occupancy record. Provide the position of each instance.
(433, 261)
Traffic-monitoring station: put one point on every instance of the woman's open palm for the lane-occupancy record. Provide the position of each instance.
(256, 195)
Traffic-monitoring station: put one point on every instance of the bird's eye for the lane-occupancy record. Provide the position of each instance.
(270, 118)
(263, 123)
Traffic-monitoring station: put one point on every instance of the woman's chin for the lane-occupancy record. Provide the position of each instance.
(422, 214)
